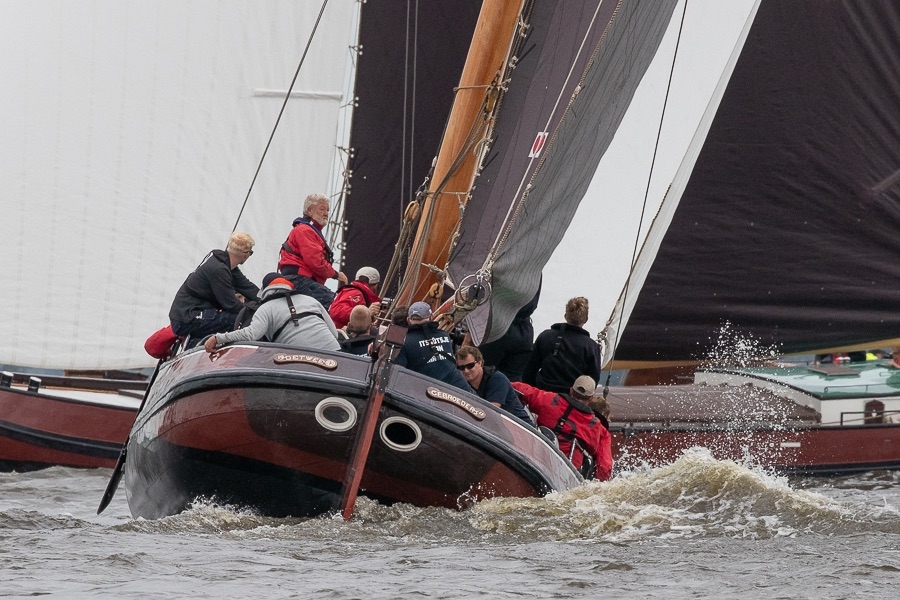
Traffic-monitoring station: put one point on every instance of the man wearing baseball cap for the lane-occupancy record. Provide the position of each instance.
(428, 350)
(581, 435)
(363, 291)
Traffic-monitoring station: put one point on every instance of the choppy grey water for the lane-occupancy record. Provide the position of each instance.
(698, 528)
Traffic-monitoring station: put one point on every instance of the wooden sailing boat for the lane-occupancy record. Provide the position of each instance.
(779, 229)
(299, 431)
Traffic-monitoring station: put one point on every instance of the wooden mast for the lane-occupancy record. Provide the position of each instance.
(458, 156)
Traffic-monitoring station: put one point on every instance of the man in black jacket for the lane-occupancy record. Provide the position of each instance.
(211, 297)
(564, 352)
(428, 350)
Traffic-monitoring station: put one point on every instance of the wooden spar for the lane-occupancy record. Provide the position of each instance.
(393, 339)
(451, 182)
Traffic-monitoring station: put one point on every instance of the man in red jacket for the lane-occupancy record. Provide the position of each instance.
(306, 258)
(363, 291)
(579, 431)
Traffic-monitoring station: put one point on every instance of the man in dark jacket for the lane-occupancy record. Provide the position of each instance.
(207, 302)
(428, 350)
(489, 383)
(564, 352)
(579, 431)
(510, 353)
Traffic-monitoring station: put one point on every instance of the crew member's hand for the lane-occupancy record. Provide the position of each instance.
(210, 344)
(375, 310)
(342, 279)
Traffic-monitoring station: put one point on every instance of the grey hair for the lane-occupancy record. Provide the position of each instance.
(312, 200)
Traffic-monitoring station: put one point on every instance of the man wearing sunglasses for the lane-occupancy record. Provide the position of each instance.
(489, 383)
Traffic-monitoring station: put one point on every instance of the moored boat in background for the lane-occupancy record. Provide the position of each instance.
(68, 421)
(115, 166)
(811, 419)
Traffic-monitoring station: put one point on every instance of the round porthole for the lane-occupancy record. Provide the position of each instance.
(336, 414)
(400, 433)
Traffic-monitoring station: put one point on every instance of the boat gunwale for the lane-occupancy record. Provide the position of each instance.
(463, 429)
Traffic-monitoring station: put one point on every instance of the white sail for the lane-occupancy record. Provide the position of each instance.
(593, 258)
(131, 133)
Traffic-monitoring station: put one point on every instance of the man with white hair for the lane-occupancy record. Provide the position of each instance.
(208, 302)
(362, 291)
(305, 258)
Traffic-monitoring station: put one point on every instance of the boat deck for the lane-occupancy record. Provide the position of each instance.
(697, 403)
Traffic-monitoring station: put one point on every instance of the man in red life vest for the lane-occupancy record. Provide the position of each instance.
(306, 258)
(363, 291)
(579, 431)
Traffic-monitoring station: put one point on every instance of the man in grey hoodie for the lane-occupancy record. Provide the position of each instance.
(286, 317)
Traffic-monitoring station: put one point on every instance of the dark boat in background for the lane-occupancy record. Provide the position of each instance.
(779, 236)
(810, 419)
(60, 420)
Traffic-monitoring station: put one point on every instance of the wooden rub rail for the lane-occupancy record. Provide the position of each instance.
(82, 383)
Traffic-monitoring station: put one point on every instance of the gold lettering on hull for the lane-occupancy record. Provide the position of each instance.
(473, 410)
(326, 363)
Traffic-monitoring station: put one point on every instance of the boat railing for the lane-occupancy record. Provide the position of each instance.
(869, 417)
(36, 382)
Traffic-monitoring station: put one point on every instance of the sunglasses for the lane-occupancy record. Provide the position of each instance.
(466, 366)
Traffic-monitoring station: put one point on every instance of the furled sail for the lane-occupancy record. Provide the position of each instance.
(131, 134)
(575, 73)
(787, 222)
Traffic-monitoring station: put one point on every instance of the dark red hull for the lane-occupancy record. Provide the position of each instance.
(654, 425)
(38, 430)
(247, 430)
(813, 450)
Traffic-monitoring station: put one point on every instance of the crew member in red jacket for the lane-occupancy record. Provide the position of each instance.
(306, 258)
(569, 417)
(363, 291)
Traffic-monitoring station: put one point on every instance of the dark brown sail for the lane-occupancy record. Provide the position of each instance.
(788, 227)
(404, 82)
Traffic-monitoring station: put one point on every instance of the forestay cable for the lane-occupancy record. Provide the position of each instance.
(287, 96)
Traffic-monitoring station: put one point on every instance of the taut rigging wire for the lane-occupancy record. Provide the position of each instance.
(287, 97)
(637, 237)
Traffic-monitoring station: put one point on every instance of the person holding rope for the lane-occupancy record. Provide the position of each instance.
(286, 317)
(305, 258)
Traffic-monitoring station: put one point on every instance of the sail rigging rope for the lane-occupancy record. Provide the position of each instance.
(409, 103)
(287, 97)
(524, 188)
(475, 137)
(466, 305)
(637, 238)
